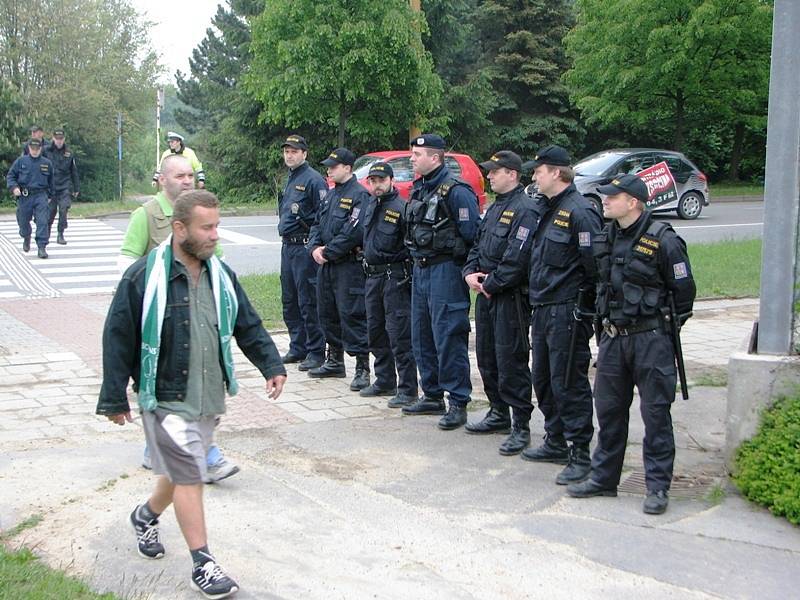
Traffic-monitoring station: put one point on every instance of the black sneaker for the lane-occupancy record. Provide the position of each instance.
(148, 543)
(656, 502)
(210, 580)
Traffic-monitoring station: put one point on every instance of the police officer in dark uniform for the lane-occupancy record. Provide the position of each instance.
(65, 182)
(387, 265)
(497, 269)
(37, 133)
(442, 217)
(562, 282)
(30, 180)
(335, 243)
(297, 206)
(643, 271)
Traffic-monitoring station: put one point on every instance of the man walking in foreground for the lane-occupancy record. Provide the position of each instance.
(181, 368)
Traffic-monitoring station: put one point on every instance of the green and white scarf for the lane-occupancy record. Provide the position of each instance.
(159, 262)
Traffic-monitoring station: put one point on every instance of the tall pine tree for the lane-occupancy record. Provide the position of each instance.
(523, 59)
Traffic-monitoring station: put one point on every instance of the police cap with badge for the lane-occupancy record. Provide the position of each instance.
(503, 158)
(629, 184)
(550, 155)
(380, 169)
(340, 156)
(428, 140)
(295, 141)
(58, 133)
(34, 143)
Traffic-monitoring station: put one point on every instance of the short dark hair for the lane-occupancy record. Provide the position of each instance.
(436, 152)
(184, 205)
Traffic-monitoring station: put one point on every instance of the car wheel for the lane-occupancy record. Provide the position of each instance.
(690, 205)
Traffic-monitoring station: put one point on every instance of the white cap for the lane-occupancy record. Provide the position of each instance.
(171, 135)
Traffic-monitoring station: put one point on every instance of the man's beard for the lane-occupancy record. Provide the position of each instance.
(194, 248)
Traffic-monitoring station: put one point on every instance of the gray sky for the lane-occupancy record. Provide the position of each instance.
(180, 25)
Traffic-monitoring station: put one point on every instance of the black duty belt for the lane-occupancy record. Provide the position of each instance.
(295, 239)
(396, 268)
(32, 191)
(640, 326)
(429, 261)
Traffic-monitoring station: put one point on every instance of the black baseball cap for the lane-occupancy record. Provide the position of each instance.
(428, 140)
(504, 158)
(35, 143)
(58, 133)
(380, 169)
(550, 155)
(340, 156)
(35, 128)
(630, 184)
(295, 141)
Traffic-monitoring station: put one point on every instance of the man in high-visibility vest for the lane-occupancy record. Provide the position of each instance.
(176, 146)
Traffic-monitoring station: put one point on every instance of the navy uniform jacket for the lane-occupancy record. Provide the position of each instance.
(561, 258)
(383, 230)
(672, 270)
(65, 171)
(33, 174)
(301, 197)
(503, 245)
(338, 225)
(461, 203)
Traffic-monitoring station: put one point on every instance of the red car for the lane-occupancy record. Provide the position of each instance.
(460, 165)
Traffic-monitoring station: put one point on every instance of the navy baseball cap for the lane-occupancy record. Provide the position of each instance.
(35, 128)
(58, 133)
(295, 141)
(551, 155)
(380, 169)
(340, 156)
(35, 143)
(428, 140)
(630, 184)
(504, 158)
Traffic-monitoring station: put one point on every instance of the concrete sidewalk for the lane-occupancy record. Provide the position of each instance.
(340, 497)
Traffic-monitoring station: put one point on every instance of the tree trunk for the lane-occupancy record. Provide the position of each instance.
(679, 122)
(736, 152)
(342, 118)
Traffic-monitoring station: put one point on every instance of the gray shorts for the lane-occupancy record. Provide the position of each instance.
(178, 447)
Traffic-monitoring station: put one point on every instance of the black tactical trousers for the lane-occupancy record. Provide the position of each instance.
(646, 360)
(567, 410)
(389, 325)
(501, 345)
(340, 302)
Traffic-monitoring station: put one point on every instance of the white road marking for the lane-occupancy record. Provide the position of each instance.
(716, 226)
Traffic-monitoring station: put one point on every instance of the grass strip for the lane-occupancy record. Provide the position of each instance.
(730, 269)
(264, 292)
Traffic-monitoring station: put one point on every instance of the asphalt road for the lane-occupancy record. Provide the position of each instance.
(252, 244)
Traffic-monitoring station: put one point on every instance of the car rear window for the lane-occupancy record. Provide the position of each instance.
(597, 164)
(453, 165)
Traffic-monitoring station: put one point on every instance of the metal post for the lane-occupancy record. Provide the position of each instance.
(779, 267)
(119, 152)
(159, 106)
(413, 130)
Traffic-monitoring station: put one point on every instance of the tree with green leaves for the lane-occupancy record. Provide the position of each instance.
(76, 64)
(523, 60)
(10, 126)
(680, 65)
(355, 65)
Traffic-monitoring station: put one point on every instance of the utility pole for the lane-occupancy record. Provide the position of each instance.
(780, 266)
(159, 106)
(119, 152)
(413, 130)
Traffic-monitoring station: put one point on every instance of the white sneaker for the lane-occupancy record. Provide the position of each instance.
(222, 469)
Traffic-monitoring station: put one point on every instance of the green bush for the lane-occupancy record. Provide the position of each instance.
(768, 466)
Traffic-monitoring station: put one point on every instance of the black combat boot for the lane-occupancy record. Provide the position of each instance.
(361, 378)
(291, 358)
(333, 365)
(310, 362)
(519, 439)
(400, 400)
(26, 244)
(61, 240)
(656, 502)
(425, 405)
(41, 253)
(578, 467)
(497, 420)
(589, 488)
(376, 390)
(553, 450)
(456, 416)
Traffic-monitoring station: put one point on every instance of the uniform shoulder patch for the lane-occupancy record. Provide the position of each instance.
(463, 214)
(300, 188)
(584, 239)
(680, 270)
(522, 234)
